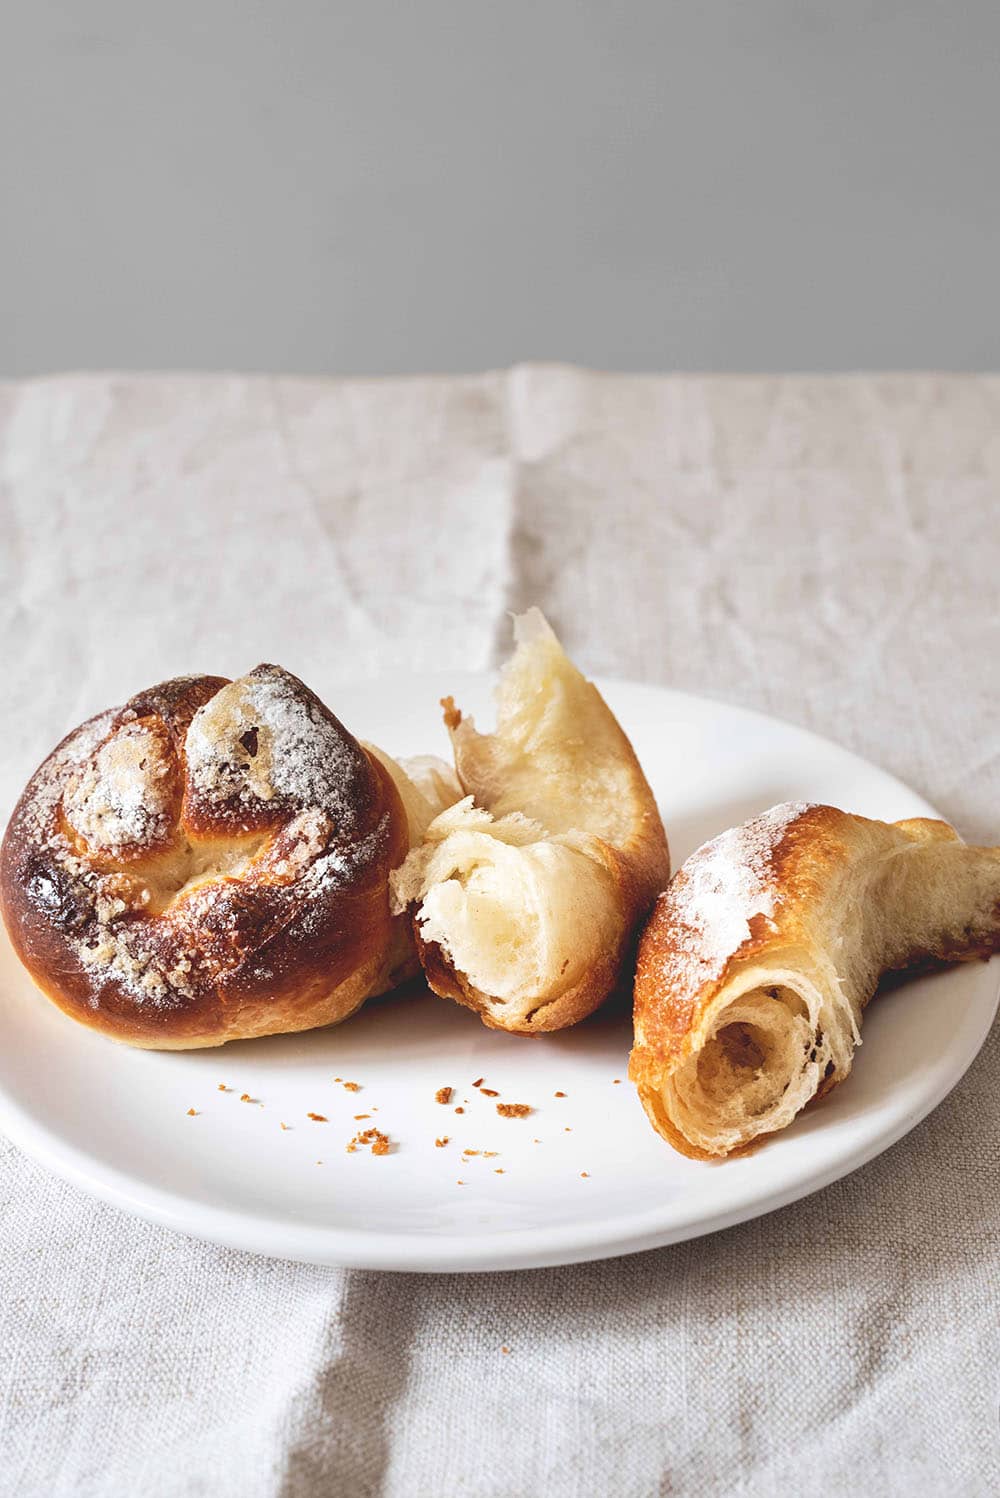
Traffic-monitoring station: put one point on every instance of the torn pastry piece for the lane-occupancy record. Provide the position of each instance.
(426, 786)
(211, 862)
(757, 962)
(526, 894)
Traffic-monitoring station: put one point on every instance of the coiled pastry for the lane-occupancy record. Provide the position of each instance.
(526, 895)
(757, 962)
(210, 862)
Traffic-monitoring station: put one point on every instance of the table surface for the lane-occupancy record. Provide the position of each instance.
(825, 549)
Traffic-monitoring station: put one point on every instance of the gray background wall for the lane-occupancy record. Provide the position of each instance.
(304, 185)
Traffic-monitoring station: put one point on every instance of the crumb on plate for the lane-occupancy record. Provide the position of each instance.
(379, 1143)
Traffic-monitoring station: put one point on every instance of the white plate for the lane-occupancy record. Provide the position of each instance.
(597, 1182)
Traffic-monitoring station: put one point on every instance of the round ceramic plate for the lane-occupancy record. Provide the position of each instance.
(582, 1176)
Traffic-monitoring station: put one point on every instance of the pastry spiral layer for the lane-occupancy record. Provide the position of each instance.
(757, 962)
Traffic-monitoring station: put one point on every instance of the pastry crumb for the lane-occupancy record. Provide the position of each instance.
(285, 1127)
(358, 1116)
(352, 1086)
(558, 1094)
(470, 1152)
(443, 1094)
(618, 1081)
(224, 1088)
(379, 1143)
(192, 1113)
(489, 1092)
(585, 1175)
(452, 714)
(459, 1110)
(490, 1154)
(513, 1110)
(478, 1082)
(440, 1143)
(505, 1351)
(567, 1130)
(499, 1171)
(245, 1097)
(318, 1117)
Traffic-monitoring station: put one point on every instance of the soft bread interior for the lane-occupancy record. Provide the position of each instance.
(518, 913)
(519, 888)
(762, 1051)
(557, 754)
(426, 785)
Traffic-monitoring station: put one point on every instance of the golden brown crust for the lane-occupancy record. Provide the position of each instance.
(799, 858)
(281, 921)
(832, 913)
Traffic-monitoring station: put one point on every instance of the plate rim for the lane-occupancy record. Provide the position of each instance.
(520, 1248)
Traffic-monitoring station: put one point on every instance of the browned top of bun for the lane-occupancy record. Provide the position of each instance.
(208, 862)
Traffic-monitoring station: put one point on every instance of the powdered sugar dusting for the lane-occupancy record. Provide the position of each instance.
(714, 895)
(265, 737)
(51, 778)
(122, 796)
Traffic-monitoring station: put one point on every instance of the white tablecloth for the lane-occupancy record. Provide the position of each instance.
(823, 549)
